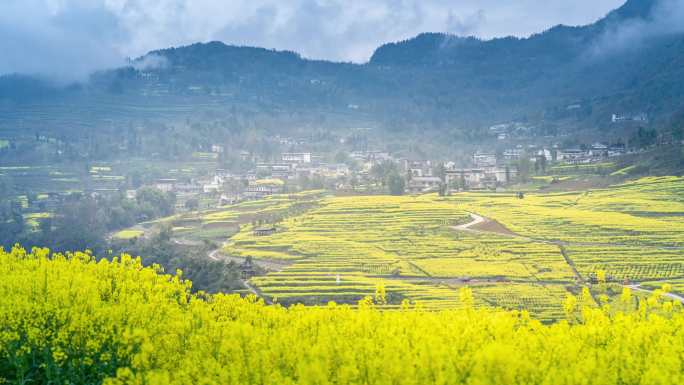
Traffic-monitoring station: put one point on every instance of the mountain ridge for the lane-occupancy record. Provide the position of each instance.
(439, 78)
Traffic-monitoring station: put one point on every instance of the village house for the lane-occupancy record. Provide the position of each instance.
(275, 170)
(484, 159)
(229, 199)
(222, 173)
(480, 178)
(334, 170)
(513, 154)
(188, 188)
(417, 168)
(470, 178)
(636, 117)
(424, 184)
(264, 231)
(599, 150)
(573, 156)
(616, 150)
(166, 185)
(281, 171)
(499, 128)
(264, 187)
(543, 153)
(370, 156)
(296, 157)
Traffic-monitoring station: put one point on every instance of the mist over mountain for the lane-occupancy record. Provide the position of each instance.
(630, 61)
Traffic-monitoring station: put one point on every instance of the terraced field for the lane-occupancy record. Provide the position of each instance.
(344, 248)
(645, 212)
(633, 232)
(542, 247)
(221, 223)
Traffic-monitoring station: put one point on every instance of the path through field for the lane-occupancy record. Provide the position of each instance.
(476, 219)
(269, 265)
(675, 297)
(480, 224)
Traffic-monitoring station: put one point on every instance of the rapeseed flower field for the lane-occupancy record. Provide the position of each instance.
(554, 244)
(75, 319)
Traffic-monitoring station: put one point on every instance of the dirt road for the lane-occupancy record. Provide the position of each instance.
(672, 296)
(480, 224)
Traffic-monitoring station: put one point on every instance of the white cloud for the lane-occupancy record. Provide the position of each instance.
(70, 38)
(667, 17)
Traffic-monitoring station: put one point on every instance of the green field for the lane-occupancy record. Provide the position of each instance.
(219, 224)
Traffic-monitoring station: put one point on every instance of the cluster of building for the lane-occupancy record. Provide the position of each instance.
(638, 117)
(594, 153)
(487, 170)
(297, 165)
(265, 179)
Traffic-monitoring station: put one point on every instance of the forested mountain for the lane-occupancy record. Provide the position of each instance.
(626, 57)
(631, 61)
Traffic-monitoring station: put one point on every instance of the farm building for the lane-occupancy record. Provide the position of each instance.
(482, 159)
(297, 157)
(264, 187)
(417, 168)
(479, 178)
(264, 231)
(423, 183)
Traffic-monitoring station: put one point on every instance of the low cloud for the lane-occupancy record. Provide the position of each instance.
(69, 39)
(63, 44)
(150, 62)
(666, 18)
(465, 25)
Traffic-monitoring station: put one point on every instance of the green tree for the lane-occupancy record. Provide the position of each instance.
(396, 184)
(380, 172)
(192, 204)
(524, 166)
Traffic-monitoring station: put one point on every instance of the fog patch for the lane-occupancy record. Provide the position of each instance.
(150, 62)
(667, 18)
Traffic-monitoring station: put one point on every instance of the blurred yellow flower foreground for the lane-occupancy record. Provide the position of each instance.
(72, 319)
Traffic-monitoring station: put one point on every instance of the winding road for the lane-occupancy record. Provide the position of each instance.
(476, 220)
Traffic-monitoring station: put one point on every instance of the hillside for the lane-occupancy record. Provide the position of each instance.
(599, 64)
(436, 81)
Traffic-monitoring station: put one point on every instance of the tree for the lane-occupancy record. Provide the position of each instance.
(381, 171)
(524, 168)
(354, 181)
(154, 203)
(192, 204)
(396, 184)
(540, 164)
(6, 186)
(12, 223)
(342, 157)
(80, 225)
(440, 172)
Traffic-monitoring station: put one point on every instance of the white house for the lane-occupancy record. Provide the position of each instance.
(165, 185)
(424, 183)
(484, 159)
(296, 157)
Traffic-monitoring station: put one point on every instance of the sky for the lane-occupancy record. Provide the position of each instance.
(69, 39)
